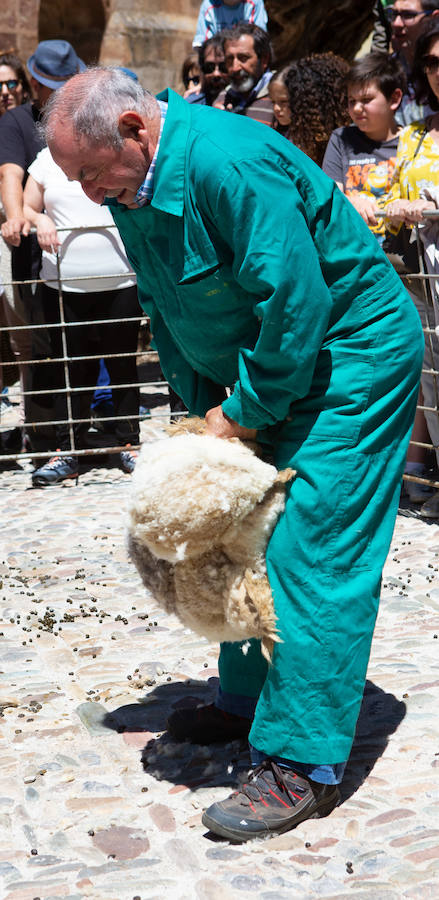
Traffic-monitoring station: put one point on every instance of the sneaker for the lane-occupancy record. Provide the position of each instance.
(58, 468)
(418, 493)
(430, 509)
(273, 801)
(128, 459)
(206, 725)
(415, 491)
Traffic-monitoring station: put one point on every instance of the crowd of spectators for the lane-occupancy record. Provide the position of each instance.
(373, 126)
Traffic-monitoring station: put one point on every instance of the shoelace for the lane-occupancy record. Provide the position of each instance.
(130, 452)
(53, 460)
(252, 791)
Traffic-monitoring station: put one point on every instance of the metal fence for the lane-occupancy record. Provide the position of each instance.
(419, 283)
(8, 363)
(423, 287)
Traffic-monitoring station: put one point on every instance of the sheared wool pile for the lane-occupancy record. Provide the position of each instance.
(201, 512)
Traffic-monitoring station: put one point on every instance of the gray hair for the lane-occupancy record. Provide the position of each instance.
(92, 102)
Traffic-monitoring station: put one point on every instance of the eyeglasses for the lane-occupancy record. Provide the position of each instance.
(194, 79)
(210, 67)
(405, 14)
(11, 84)
(430, 64)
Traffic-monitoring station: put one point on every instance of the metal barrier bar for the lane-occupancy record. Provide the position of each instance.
(68, 391)
(431, 332)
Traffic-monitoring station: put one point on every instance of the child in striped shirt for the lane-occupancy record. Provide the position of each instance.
(215, 15)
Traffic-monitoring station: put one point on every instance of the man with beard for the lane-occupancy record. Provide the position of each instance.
(248, 61)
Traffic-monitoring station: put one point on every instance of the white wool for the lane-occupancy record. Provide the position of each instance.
(201, 512)
(164, 458)
(220, 479)
(180, 551)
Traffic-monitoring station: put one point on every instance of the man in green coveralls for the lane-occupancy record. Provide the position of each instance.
(259, 276)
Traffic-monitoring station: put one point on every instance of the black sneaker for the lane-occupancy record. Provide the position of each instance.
(58, 468)
(273, 801)
(206, 725)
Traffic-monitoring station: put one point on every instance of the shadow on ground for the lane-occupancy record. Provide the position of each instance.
(380, 716)
(198, 766)
(191, 765)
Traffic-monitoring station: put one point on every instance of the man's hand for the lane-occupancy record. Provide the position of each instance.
(408, 211)
(13, 229)
(221, 426)
(47, 235)
(365, 206)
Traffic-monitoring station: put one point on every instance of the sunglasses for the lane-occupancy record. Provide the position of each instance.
(210, 67)
(405, 14)
(194, 79)
(11, 84)
(430, 63)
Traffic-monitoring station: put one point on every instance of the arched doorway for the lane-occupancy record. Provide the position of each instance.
(81, 22)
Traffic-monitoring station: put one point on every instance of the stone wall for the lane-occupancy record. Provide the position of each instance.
(299, 27)
(150, 37)
(154, 37)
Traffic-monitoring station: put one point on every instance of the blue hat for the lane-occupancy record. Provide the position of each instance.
(54, 62)
(128, 72)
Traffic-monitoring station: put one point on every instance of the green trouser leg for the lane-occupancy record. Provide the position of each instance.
(310, 698)
(325, 559)
(242, 675)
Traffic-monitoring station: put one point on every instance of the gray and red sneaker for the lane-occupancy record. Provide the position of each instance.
(273, 801)
(128, 459)
(58, 468)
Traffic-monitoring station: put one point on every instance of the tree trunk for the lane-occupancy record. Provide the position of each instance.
(300, 27)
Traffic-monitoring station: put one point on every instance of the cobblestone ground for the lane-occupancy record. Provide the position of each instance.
(95, 802)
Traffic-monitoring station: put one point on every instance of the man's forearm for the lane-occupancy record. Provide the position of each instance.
(12, 193)
(16, 224)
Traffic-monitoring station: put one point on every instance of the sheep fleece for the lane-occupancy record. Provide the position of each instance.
(201, 512)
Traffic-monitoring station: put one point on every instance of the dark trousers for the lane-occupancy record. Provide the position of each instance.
(101, 340)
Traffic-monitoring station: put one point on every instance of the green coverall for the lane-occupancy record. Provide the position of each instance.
(259, 275)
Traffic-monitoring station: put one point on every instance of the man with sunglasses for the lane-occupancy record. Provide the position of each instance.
(213, 72)
(50, 66)
(407, 19)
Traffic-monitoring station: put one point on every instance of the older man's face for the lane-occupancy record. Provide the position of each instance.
(244, 67)
(102, 171)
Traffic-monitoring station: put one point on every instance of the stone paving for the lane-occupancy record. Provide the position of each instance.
(97, 802)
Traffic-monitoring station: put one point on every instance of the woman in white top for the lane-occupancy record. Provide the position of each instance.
(96, 284)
